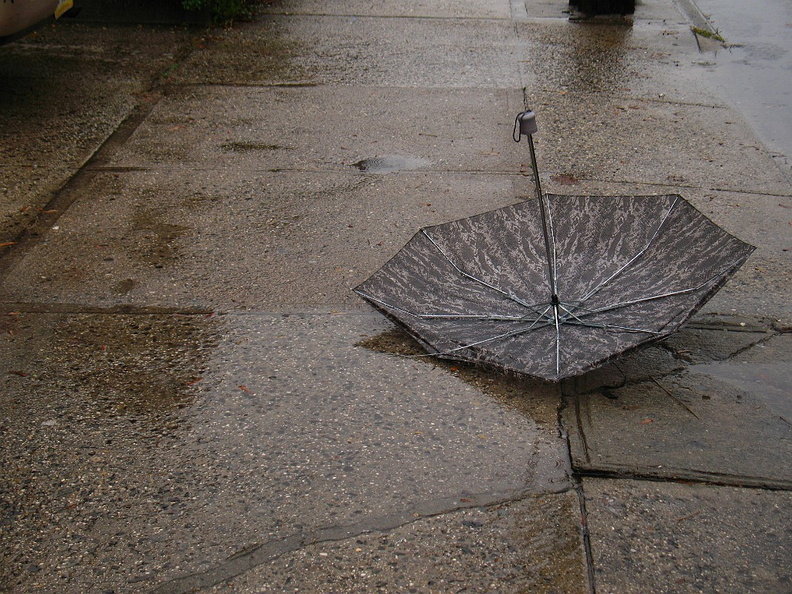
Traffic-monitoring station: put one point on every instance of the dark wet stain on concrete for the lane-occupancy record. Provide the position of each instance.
(156, 241)
(90, 404)
(125, 286)
(247, 147)
(139, 365)
(533, 398)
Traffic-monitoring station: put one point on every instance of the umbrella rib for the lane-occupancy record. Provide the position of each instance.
(579, 322)
(556, 306)
(385, 303)
(615, 327)
(622, 304)
(483, 317)
(640, 253)
(475, 279)
(450, 316)
(535, 325)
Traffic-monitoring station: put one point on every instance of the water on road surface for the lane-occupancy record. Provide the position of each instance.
(754, 72)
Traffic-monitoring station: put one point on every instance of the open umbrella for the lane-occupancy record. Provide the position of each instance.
(557, 285)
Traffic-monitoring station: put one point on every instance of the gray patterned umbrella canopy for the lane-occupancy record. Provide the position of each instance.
(557, 285)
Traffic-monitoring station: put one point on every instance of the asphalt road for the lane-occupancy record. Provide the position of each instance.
(754, 71)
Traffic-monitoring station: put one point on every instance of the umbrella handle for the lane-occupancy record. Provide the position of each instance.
(524, 123)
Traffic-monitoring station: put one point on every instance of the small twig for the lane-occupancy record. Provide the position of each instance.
(674, 398)
(687, 517)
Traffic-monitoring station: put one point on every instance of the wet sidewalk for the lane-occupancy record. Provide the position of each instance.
(193, 398)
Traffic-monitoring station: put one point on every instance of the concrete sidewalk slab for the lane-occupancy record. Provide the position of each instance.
(498, 548)
(256, 429)
(370, 51)
(325, 127)
(670, 537)
(298, 238)
(678, 421)
(451, 9)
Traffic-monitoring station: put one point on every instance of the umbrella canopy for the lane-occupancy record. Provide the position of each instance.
(557, 285)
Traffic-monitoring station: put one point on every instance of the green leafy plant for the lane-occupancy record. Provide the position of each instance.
(222, 10)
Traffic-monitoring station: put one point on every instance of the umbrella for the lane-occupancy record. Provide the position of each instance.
(556, 285)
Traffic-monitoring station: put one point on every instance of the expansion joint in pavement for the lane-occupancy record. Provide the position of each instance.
(67, 194)
(260, 553)
(686, 477)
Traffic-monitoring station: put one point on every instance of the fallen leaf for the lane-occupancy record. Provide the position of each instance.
(565, 179)
(7, 243)
(246, 389)
(647, 421)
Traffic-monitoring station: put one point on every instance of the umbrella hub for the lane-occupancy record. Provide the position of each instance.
(555, 300)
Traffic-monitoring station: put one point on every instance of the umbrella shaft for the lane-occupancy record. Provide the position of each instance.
(545, 230)
(535, 168)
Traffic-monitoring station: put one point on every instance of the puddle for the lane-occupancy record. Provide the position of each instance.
(528, 396)
(391, 164)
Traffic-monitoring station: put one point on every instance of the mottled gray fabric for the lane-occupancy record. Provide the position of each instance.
(625, 271)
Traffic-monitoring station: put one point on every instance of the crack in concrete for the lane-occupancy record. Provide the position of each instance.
(259, 553)
(585, 536)
(685, 476)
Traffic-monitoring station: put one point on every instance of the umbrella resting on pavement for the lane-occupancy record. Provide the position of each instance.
(556, 285)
